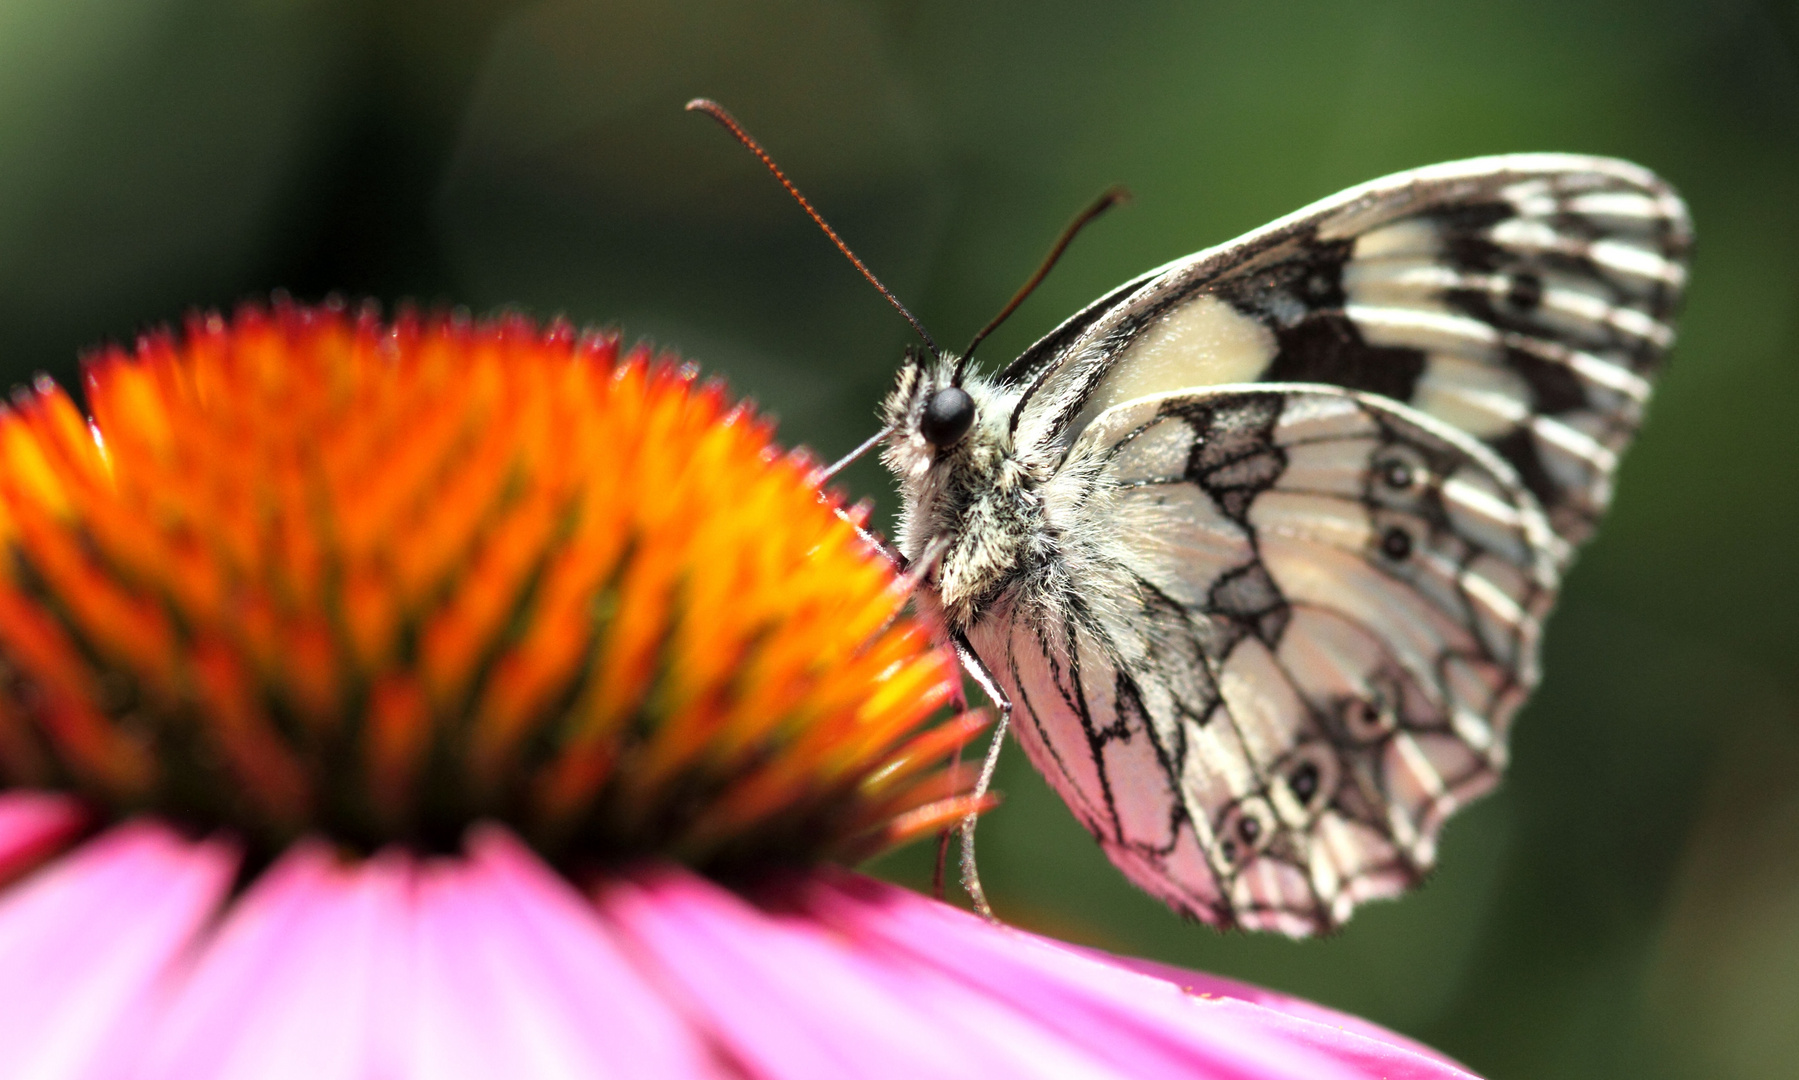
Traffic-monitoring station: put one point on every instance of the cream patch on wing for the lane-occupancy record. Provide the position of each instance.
(1203, 342)
(1408, 237)
(1484, 399)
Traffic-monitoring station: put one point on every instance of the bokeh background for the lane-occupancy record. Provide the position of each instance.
(1627, 906)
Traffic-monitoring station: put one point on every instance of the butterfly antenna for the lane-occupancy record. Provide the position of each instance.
(1113, 196)
(717, 112)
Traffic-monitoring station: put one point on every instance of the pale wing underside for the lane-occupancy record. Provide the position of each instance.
(1336, 613)
(1524, 299)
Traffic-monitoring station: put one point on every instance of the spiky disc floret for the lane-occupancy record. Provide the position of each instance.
(307, 571)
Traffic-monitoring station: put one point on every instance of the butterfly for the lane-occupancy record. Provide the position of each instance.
(1255, 551)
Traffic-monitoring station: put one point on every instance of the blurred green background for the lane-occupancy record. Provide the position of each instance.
(1628, 905)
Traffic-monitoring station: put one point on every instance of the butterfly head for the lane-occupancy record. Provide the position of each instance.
(948, 444)
(935, 415)
(947, 416)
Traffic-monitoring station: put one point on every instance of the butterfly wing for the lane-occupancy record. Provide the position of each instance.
(1525, 299)
(1334, 613)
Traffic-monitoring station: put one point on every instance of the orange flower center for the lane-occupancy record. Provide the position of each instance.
(306, 571)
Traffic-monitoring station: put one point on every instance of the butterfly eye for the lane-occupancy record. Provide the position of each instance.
(947, 417)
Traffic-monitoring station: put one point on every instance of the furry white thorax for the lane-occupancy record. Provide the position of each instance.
(1019, 526)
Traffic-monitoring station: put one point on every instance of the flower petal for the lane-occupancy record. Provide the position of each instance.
(86, 943)
(288, 985)
(786, 1005)
(32, 825)
(795, 995)
(1150, 1026)
(487, 967)
(518, 977)
(1340, 1033)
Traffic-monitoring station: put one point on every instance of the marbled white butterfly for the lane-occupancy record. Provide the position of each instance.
(1256, 549)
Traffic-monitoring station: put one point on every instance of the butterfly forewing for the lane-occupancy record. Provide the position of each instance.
(1526, 300)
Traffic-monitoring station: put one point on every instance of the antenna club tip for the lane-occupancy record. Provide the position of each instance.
(701, 104)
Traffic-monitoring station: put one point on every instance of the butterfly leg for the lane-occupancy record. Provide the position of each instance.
(910, 577)
(971, 663)
(822, 475)
(874, 540)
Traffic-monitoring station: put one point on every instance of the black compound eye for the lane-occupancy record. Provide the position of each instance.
(947, 417)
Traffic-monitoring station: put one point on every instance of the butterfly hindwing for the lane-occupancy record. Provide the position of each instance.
(1526, 300)
(1110, 742)
(1336, 612)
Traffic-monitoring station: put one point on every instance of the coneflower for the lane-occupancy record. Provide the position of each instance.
(456, 699)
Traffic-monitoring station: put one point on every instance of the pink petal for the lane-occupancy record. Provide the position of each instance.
(494, 966)
(791, 998)
(1375, 1059)
(517, 977)
(290, 984)
(1150, 1023)
(455, 968)
(783, 1010)
(1319, 1017)
(791, 1001)
(86, 942)
(32, 825)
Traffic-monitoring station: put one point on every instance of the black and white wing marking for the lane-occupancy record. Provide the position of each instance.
(1336, 612)
(1525, 299)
